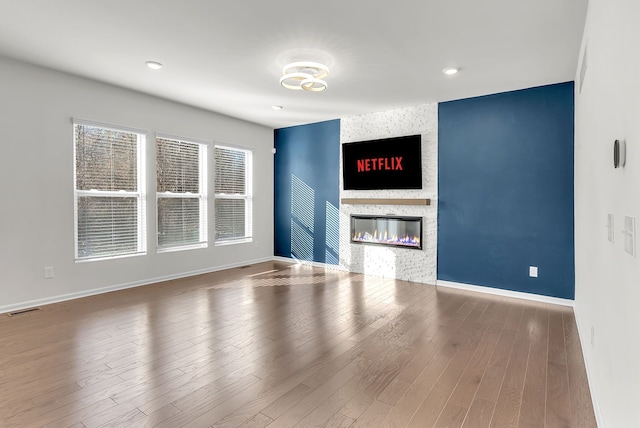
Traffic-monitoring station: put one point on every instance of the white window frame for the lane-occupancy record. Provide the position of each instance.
(140, 194)
(247, 196)
(202, 196)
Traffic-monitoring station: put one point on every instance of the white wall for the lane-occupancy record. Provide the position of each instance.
(607, 278)
(36, 172)
(400, 263)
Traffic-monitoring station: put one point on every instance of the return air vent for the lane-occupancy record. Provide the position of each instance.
(23, 311)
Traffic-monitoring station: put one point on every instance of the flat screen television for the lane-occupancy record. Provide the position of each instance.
(389, 163)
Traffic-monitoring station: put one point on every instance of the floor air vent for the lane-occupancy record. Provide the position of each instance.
(23, 311)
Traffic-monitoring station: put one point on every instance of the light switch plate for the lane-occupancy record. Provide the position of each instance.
(630, 235)
(533, 271)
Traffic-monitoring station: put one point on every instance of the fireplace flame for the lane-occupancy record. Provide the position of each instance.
(383, 238)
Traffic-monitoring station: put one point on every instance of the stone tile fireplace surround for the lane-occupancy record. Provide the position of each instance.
(394, 262)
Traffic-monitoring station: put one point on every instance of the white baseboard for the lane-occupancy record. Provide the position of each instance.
(95, 291)
(590, 377)
(505, 293)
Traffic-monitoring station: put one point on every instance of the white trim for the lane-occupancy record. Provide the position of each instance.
(139, 195)
(590, 378)
(95, 291)
(448, 284)
(142, 189)
(165, 136)
(233, 241)
(118, 256)
(247, 196)
(109, 126)
(201, 196)
(108, 193)
(231, 196)
(505, 293)
(185, 247)
(232, 146)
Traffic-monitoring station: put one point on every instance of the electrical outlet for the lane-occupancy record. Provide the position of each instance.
(48, 272)
(533, 271)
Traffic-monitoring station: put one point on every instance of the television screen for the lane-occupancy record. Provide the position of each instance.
(390, 163)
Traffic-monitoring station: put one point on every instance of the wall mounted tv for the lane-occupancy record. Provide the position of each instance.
(390, 163)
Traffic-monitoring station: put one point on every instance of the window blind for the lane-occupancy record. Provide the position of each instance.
(233, 194)
(108, 201)
(181, 193)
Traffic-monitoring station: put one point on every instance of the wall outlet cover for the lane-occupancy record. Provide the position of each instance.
(48, 272)
(533, 271)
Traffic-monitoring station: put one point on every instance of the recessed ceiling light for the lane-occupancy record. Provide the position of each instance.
(154, 65)
(450, 71)
(277, 107)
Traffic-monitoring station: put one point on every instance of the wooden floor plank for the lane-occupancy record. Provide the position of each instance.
(509, 400)
(558, 402)
(339, 421)
(533, 408)
(283, 345)
(580, 395)
(373, 416)
(479, 415)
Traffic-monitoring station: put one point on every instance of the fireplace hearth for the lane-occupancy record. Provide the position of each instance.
(387, 230)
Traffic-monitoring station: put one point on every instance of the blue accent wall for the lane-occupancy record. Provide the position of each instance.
(307, 191)
(505, 183)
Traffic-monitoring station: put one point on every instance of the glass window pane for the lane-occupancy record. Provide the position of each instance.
(107, 162)
(180, 171)
(233, 193)
(230, 218)
(107, 226)
(105, 159)
(178, 221)
(230, 171)
(178, 166)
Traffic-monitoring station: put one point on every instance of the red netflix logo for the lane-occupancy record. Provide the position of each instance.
(393, 163)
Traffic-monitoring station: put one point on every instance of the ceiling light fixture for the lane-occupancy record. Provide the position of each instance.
(277, 107)
(305, 75)
(450, 71)
(154, 65)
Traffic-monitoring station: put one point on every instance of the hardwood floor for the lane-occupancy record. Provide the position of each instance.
(279, 345)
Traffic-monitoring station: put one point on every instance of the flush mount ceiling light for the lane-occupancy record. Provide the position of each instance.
(154, 65)
(275, 107)
(305, 75)
(450, 71)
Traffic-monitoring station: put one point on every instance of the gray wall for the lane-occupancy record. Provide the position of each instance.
(36, 171)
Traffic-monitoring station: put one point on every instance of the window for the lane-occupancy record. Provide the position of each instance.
(109, 199)
(233, 194)
(181, 194)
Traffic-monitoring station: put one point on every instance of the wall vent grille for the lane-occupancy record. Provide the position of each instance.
(23, 311)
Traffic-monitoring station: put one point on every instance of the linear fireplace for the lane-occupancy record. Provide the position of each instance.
(405, 232)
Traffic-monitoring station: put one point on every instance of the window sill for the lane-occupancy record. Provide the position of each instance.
(120, 256)
(181, 248)
(233, 241)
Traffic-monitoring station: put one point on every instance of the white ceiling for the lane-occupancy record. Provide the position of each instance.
(227, 56)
